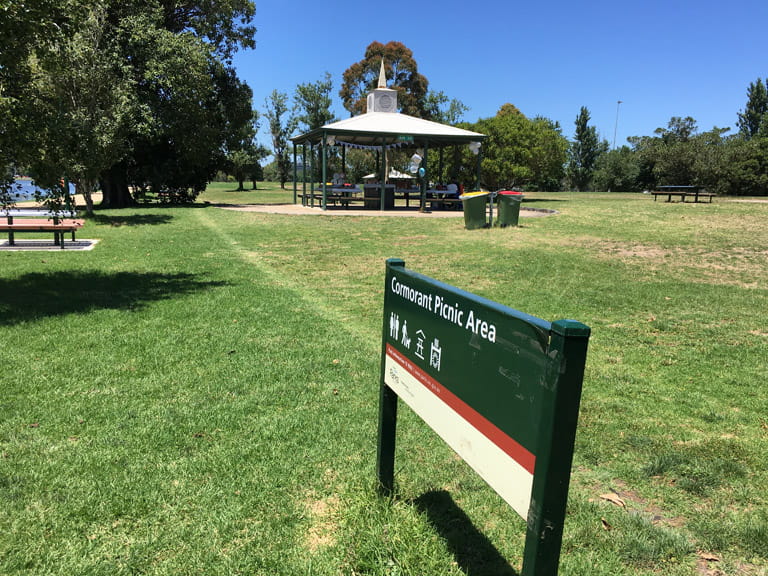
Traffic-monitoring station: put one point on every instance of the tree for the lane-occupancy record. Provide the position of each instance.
(402, 73)
(744, 167)
(134, 91)
(193, 105)
(193, 109)
(281, 125)
(312, 104)
(583, 152)
(677, 130)
(224, 26)
(87, 95)
(754, 120)
(27, 30)
(244, 154)
(312, 107)
(439, 108)
(617, 170)
(519, 152)
(670, 156)
(675, 153)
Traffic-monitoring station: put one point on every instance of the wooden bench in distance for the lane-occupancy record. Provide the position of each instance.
(683, 192)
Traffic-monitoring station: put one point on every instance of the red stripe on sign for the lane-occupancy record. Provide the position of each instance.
(507, 444)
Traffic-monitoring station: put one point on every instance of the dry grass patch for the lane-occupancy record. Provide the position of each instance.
(323, 528)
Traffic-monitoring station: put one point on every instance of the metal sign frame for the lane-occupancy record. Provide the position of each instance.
(501, 387)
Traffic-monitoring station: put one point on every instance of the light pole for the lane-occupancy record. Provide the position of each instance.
(616, 125)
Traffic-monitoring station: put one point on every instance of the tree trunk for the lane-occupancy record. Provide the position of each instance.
(85, 187)
(114, 187)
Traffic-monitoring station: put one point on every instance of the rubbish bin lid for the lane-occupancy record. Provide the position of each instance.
(509, 193)
(472, 195)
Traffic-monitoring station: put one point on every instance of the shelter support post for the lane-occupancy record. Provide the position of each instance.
(295, 175)
(324, 153)
(425, 179)
(312, 175)
(383, 174)
(304, 174)
(479, 164)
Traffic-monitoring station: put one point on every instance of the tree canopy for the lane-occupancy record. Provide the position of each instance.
(402, 74)
(753, 121)
(521, 152)
(129, 91)
(282, 123)
(312, 104)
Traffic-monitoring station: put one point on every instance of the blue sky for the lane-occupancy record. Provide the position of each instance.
(661, 58)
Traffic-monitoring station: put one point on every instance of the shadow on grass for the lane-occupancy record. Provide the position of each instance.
(131, 219)
(529, 200)
(474, 553)
(35, 296)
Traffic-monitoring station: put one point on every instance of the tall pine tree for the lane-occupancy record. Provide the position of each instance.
(754, 120)
(583, 153)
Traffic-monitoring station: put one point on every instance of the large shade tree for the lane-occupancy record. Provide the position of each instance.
(522, 152)
(193, 105)
(402, 74)
(28, 30)
(133, 91)
(84, 94)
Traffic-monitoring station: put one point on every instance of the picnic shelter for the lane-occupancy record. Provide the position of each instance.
(380, 129)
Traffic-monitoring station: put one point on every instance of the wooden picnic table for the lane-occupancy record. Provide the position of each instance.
(694, 191)
(30, 220)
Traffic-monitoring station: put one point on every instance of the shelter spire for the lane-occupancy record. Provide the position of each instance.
(382, 99)
(382, 75)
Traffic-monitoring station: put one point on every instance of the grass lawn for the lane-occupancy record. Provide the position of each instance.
(198, 394)
(266, 193)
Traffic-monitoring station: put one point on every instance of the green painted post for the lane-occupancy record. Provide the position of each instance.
(383, 174)
(385, 453)
(295, 175)
(560, 411)
(324, 152)
(311, 175)
(425, 179)
(304, 175)
(479, 166)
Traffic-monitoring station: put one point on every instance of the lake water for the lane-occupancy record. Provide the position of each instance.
(25, 190)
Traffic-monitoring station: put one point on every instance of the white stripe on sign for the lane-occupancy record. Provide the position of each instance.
(511, 479)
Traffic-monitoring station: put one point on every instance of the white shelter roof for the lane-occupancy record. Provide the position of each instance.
(384, 128)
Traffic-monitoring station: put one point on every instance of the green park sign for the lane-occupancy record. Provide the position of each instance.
(500, 387)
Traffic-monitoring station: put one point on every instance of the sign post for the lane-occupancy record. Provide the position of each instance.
(501, 387)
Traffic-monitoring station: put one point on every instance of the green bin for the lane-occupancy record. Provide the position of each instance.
(474, 209)
(509, 207)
